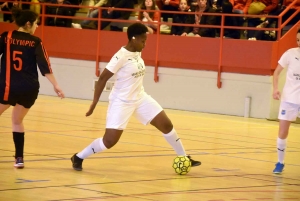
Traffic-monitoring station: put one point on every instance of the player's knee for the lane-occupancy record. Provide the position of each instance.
(109, 143)
(17, 121)
(167, 127)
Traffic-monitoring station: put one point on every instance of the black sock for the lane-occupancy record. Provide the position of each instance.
(19, 143)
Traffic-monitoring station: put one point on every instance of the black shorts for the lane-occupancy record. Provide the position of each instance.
(25, 99)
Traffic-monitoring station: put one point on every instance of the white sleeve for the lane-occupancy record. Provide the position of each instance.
(115, 63)
(284, 60)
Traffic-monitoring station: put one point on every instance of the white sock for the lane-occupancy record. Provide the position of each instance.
(173, 139)
(95, 147)
(281, 146)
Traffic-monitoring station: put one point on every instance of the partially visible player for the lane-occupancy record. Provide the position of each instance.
(128, 98)
(290, 99)
(19, 86)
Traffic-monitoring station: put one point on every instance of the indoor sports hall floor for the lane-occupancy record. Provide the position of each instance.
(238, 156)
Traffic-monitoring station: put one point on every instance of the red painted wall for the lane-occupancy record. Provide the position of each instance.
(238, 56)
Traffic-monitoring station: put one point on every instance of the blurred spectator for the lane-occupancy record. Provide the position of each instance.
(36, 7)
(199, 18)
(289, 13)
(75, 3)
(151, 15)
(230, 21)
(7, 6)
(115, 14)
(266, 35)
(58, 10)
(270, 5)
(182, 19)
(240, 6)
(92, 13)
(24, 6)
(168, 5)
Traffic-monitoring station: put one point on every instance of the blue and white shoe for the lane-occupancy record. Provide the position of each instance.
(278, 168)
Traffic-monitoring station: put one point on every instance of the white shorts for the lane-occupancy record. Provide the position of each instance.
(288, 111)
(119, 112)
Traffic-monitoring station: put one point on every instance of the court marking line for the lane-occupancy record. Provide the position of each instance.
(183, 192)
(70, 135)
(162, 179)
(156, 155)
(120, 195)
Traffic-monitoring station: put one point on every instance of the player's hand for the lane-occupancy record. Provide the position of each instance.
(59, 92)
(91, 110)
(145, 14)
(276, 94)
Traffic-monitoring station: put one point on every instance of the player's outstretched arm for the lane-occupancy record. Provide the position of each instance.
(106, 75)
(57, 89)
(276, 92)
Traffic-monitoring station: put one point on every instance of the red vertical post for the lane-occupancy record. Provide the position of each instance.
(97, 71)
(219, 82)
(156, 77)
(43, 20)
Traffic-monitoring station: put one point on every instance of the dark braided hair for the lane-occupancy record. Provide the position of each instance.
(21, 17)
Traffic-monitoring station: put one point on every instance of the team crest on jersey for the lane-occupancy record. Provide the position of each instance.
(140, 66)
(283, 112)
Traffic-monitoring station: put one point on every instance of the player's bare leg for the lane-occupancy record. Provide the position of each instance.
(164, 124)
(3, 108)
(284, 127)
(18, 114)
(110, 138)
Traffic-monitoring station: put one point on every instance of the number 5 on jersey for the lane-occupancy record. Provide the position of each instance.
(18, 59)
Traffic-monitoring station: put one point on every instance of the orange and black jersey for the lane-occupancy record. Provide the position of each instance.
(21, 53)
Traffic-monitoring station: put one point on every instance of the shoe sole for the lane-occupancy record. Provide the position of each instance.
(19, 166)
(278, 172)
(197, 164)
(77, 169)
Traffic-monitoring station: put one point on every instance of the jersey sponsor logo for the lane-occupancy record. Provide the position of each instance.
(283, 112)
(297, 58)
(140, 66)
(297, 76)
(138, 74)
(14, 41)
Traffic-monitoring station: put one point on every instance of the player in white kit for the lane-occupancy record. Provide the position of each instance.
(290, 99)
(128, 98)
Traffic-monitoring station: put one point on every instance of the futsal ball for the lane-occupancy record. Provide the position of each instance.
(182, 165)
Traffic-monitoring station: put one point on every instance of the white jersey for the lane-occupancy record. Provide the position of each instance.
(291, 60)
(129, 70)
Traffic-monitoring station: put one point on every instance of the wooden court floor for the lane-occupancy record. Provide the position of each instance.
(238, 156)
